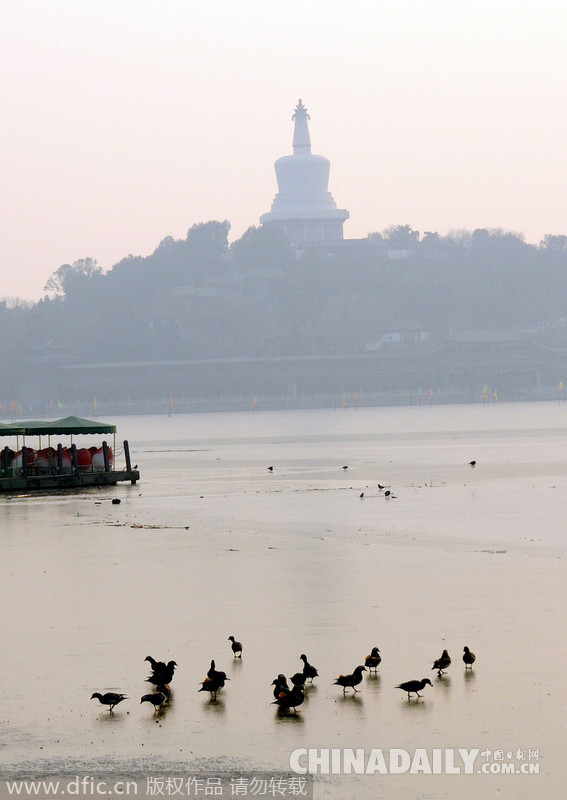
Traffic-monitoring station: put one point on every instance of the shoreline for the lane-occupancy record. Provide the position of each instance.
(348, 401)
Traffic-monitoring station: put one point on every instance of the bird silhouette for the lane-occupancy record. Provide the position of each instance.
(351, 681)
(290, 699)
(109, 699)
(214, 681)
(162, 674)
(236, 647)
(441, 664)
(157, 666)
(298, 679)
(308, 669)
(472, 464)
(469, 658)
(414, 687)
(157, 699)
(212, 670)
(280, 684)
(213, 684)
(373, 660)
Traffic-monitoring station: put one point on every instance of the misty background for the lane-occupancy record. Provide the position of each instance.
(399, 316)
(126, 120)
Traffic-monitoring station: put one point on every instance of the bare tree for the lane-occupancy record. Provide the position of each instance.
(59, 282)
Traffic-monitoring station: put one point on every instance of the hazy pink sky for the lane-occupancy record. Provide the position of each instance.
(125, 121)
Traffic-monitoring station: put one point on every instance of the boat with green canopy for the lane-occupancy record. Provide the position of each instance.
(63, 466)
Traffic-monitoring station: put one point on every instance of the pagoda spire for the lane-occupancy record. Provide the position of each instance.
(304, 207)
(301, 138)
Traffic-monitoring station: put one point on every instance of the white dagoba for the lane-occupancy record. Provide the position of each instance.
(303, 206)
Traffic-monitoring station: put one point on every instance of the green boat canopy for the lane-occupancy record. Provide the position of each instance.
(65, 426)
(10, 430)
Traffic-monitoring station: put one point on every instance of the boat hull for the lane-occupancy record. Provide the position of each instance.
(18, 483)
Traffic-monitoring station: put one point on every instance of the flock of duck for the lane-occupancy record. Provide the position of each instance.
(382, 489)
(285, 696)
(160, 676)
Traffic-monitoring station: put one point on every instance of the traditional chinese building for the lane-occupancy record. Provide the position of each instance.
(303, 207)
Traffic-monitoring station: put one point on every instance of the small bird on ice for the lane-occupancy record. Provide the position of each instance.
(236, 647)
(469, 658)
(441, 664)
(351, 681)
(110, 699)
(414, 687)
(157, 699)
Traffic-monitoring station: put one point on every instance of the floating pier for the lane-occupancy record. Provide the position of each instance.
(70, 467)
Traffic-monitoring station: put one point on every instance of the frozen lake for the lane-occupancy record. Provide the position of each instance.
(211, 543)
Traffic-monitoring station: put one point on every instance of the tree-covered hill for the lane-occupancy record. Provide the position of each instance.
(201, 297)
